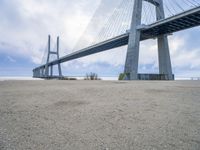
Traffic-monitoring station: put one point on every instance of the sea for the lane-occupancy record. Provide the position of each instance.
(31, 78)
(82, 78)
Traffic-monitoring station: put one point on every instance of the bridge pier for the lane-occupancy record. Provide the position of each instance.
(43, 72)
(49, 67)
(59, 66)
(51, 70)
(164, 57)
(132, 57)
(163, 47)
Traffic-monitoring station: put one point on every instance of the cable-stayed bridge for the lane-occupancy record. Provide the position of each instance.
(166, 17)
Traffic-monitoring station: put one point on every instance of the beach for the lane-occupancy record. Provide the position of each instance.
(99, 115)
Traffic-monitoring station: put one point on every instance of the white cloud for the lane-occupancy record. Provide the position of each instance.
(26, 26)
(182, 56)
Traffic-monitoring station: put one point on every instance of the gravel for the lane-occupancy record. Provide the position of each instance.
(99, 115)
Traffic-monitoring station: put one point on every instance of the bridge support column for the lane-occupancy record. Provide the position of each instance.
(48, 56)
(163, 47)
(49, 67)
(132, 57)
(164, 57)
(51, 70)
(59, 66)
(43, 72)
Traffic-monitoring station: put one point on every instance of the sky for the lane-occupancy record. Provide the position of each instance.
(26, 24)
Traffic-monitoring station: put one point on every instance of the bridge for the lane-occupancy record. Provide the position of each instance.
(159, 29)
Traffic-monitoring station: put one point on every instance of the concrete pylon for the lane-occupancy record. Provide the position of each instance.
(132, 57)
(47, 66)
(163, 47)
(59, 66)
(48, 56)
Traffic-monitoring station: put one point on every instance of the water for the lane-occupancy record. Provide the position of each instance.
(17, 78)
(81, 78)
(31, 78)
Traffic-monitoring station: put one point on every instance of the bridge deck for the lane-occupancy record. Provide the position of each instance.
(188, 19)
(182, 21)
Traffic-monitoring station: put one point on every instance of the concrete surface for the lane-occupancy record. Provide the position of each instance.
(99, 115)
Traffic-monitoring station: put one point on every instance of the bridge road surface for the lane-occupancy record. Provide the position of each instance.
(99, 115)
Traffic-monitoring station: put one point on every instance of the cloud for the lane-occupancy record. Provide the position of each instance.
(184, 56)
(26, 24)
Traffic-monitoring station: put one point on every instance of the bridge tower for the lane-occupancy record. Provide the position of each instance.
(132, 58)
(50, 66)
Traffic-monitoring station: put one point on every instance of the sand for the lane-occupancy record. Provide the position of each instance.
(99, 115)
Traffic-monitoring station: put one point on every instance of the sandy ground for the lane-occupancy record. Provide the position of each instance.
(99, 115)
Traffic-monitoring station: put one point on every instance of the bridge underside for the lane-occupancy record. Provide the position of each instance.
(170, 25)
(173, 24)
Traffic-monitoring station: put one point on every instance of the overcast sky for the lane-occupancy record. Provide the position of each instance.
(25, 25)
